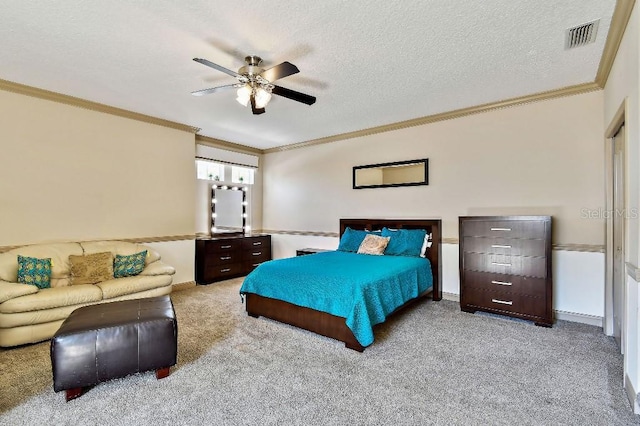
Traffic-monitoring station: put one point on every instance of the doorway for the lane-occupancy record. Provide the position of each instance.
(615, 283)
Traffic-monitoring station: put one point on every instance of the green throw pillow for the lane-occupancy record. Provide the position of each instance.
(34, 271)
(128, 266)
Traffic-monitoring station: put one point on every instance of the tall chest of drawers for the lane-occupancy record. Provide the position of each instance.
(222, 258)
(505, 266)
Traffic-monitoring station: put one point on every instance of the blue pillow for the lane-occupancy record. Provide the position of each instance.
(129, 266)
(404, 242)
(34, 271)
(352, 238)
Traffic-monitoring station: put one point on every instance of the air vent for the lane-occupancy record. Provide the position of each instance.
(581, 35)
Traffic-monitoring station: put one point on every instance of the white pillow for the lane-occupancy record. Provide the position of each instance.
(425, 245)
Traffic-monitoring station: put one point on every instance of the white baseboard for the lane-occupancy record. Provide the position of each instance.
(634, 398)
(451, 296)
(560, 315)
(581, 318)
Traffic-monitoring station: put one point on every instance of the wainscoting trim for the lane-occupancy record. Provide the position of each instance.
(585, 248)
(139, 240)
(633, 271)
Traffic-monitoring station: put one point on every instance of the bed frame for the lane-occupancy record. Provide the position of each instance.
(334, 326)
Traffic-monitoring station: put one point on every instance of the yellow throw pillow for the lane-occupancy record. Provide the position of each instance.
(91, 269)
(373, 244)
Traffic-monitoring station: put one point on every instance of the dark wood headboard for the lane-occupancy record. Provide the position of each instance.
(432, 226)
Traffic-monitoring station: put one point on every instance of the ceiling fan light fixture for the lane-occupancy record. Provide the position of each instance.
(244, 95)
(262, 97)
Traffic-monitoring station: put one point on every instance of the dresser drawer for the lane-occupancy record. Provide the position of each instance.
(535, 287)
(249, 266)
(505, 302)
(221, 271)
(223, 245)
(250, 243)
(505, 264)
(511, 246)
(223, 258)
(504, 228)
(257, 255)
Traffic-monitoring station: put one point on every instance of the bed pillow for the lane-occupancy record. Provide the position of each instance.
(425, 245)
(129, 266)
(373, 244)
(352, 238)
(404, 242)
(34, 271)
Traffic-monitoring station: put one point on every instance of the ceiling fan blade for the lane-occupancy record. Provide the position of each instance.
(282, 70)
(217, 67)
(254, 110)
(213, 90)
(293, 95)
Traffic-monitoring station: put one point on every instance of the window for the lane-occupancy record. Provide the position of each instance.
(208, 170)
(243, 175)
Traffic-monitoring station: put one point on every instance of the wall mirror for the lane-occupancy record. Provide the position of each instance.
(399, 173)
(228, 209)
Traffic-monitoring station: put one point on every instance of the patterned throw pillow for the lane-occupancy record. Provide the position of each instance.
(373, 244)
(128, 266)
(91, 268)
(34, 271)
(352, 238)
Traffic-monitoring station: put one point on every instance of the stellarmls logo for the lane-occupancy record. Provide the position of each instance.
(608, 214)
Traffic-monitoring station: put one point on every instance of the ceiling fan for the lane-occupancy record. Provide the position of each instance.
(255, 84)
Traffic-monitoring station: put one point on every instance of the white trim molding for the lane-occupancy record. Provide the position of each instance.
(633, 271)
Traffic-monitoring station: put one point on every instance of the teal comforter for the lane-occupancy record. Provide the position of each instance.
(362, 288)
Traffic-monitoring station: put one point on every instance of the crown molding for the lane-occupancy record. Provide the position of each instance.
(35, 92)
(229, 146)
(565, 91)
(619, 21)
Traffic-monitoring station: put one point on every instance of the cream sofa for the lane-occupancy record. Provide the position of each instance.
(29, 314)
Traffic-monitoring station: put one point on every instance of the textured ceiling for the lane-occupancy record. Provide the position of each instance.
(368, 63)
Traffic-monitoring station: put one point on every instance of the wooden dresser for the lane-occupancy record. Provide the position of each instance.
(221, 258)
(505, 266)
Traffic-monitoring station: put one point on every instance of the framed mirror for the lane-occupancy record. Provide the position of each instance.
(228, 209)
(399, 173)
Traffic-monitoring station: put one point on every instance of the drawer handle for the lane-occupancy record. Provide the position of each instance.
(259, 243)
(255, 264)
(501, 229)
(500, 264)
(499, 246)
(225, 270)
(225, 247)
(501, 283)
(257, 253)
(225, 258)
(504, 302)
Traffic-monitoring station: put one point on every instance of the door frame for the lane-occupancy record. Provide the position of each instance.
(619, 118)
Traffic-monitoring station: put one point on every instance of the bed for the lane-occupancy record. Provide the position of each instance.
(272, 290)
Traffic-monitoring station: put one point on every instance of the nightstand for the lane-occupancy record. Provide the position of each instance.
(304, 251)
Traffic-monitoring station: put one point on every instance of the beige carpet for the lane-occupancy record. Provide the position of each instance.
(430, 365)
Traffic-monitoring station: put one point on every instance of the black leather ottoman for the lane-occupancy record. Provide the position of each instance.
(101, 342)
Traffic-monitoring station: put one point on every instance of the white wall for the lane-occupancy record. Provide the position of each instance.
(541, 158)
(623, 83)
